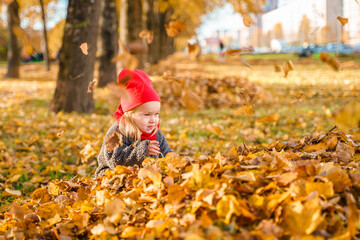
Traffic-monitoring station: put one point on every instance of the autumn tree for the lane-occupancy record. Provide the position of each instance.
(32, 14)
(109, 43)
(77, 67)
(14, 45)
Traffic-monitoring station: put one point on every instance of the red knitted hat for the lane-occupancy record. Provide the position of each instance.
(139, 88)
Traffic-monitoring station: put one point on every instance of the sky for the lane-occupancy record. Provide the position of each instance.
(220, 19)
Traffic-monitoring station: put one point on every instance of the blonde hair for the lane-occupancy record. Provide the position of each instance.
(128, 127)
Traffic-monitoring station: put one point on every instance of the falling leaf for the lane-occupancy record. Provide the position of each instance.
(343, 21)
(277, 68)
(193, 50)
(348, 117)
(113, 141)
(245, 50)
(191, 100)
(84, 48)
(91, 86)
(149, 35)
(175, 27)
(331, 61)
(247, 20)
(290, 65)
(245, 62)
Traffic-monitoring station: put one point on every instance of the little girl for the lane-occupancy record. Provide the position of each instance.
(137, 124)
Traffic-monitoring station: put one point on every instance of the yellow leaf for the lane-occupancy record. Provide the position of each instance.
(114, 209)
(247, 110)
(175, 194)
(286, 178)
(41, 195)
(269, 118)
(100, 228)
(348, 117)
(15, 178)
(247, 20)
(303, 218)
(227, 207)
(130, 232)
(54, 220)
(191, 100)
(325, 188)
(331, 61)
(343, 21)
(9, 192)
(151, 173)
(148, 35)
(81, 220)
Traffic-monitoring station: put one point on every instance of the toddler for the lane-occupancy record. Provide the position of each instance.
(137, 124)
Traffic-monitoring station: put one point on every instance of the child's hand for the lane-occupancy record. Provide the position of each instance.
(154, 148)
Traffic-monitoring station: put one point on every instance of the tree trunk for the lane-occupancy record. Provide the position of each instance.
(166, 42)
(46, 55)
(109, 41)
(135, 25)
(162, 45)
(76, 69)
(153, 24)
(13, 57)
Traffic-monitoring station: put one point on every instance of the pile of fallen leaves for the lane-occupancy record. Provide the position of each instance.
(197, 90)
(296, 188)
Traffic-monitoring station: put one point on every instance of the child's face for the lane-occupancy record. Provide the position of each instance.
(146, 116)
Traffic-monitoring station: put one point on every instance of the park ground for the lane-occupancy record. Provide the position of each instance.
(37, 146)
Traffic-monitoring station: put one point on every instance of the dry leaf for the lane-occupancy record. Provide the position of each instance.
(331, 61)
(277, 68)
(191, 100)
(343, 21)
(247, 20)
(193, 50)
(91, 86)
(113, 141)
(84, 48)
(149, 35)
(175, 27)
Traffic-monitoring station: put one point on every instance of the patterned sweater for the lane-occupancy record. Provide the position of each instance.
(127, 154)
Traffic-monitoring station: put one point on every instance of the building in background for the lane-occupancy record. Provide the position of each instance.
(295, 22)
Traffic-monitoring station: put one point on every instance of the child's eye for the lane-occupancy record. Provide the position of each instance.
(156, 114)
(147, 114)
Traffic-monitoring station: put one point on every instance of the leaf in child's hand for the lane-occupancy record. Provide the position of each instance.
(113, 141)
(84, 48)
(91, 86)
(343, 21)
